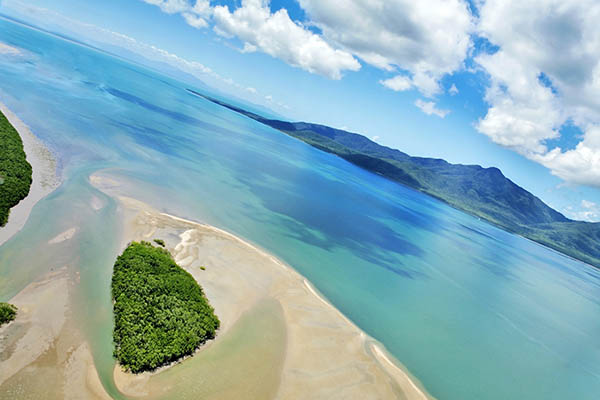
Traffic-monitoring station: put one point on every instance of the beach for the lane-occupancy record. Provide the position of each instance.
(316, 351)
(44, 176)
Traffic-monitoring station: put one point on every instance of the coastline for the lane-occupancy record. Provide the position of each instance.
(44, 182)
(324, 353)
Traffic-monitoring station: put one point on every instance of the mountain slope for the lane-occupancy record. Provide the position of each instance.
(482, 192)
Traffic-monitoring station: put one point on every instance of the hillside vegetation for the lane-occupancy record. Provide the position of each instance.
(15, 171)
(483, 192)
(161, 313)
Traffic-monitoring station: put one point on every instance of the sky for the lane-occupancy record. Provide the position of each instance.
(507, 83)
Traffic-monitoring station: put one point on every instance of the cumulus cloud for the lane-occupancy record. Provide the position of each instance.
(195, 14)
(420, 41)
(580, 165)
(398, 83)
(195, 20)
(429, 108)
(545, 73)
(588, 211)
(277, 35)
(424, 39)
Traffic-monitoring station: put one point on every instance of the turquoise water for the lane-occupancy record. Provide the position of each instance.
(473, 312)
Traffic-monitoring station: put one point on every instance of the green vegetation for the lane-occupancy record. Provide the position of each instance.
(203, 268)
(161, 313)
(483, 192)
(15, 171)
(8, 312)
(159, 242)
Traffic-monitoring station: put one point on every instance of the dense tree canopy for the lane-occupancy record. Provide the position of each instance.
(8, 312)
(161, 313)
(15, 171)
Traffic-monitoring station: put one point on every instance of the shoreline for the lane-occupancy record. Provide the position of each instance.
(44, 182)
(326, 354)
(385, 359)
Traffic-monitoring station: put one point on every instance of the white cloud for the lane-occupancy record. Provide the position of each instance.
(588, 204)
(251, 90)
(545, 73)
(580, 165)
(170, 6)
(194, 20)
(375, 138)
(426, 39)
(195, 15)
(420, 41)
(429, 108)
(589, 211)
(398, 83)
(202, 7)
(277, 35)
(453, 90)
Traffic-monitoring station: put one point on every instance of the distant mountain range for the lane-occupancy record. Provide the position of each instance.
(483, 192)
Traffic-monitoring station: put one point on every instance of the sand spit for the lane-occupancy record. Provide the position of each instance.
(41, 354)
(44, 176)
(325, 355)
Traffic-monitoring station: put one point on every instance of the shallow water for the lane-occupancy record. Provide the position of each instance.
(472, 311)
(245, 363)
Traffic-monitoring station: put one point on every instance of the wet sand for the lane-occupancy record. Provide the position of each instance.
(324, 355)
(44, 176)
(42, 355)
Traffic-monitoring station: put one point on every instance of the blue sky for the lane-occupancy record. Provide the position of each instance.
(496, 83)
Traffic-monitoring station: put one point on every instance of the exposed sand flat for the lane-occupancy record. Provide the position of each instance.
(325, 355)
(44, 175)
(41, 315)
(61, 237)
(80, 373)
(41, 354)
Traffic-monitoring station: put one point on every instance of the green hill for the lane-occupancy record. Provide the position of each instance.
(482, 192)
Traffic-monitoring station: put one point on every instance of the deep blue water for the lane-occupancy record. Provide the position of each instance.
(472, 311)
